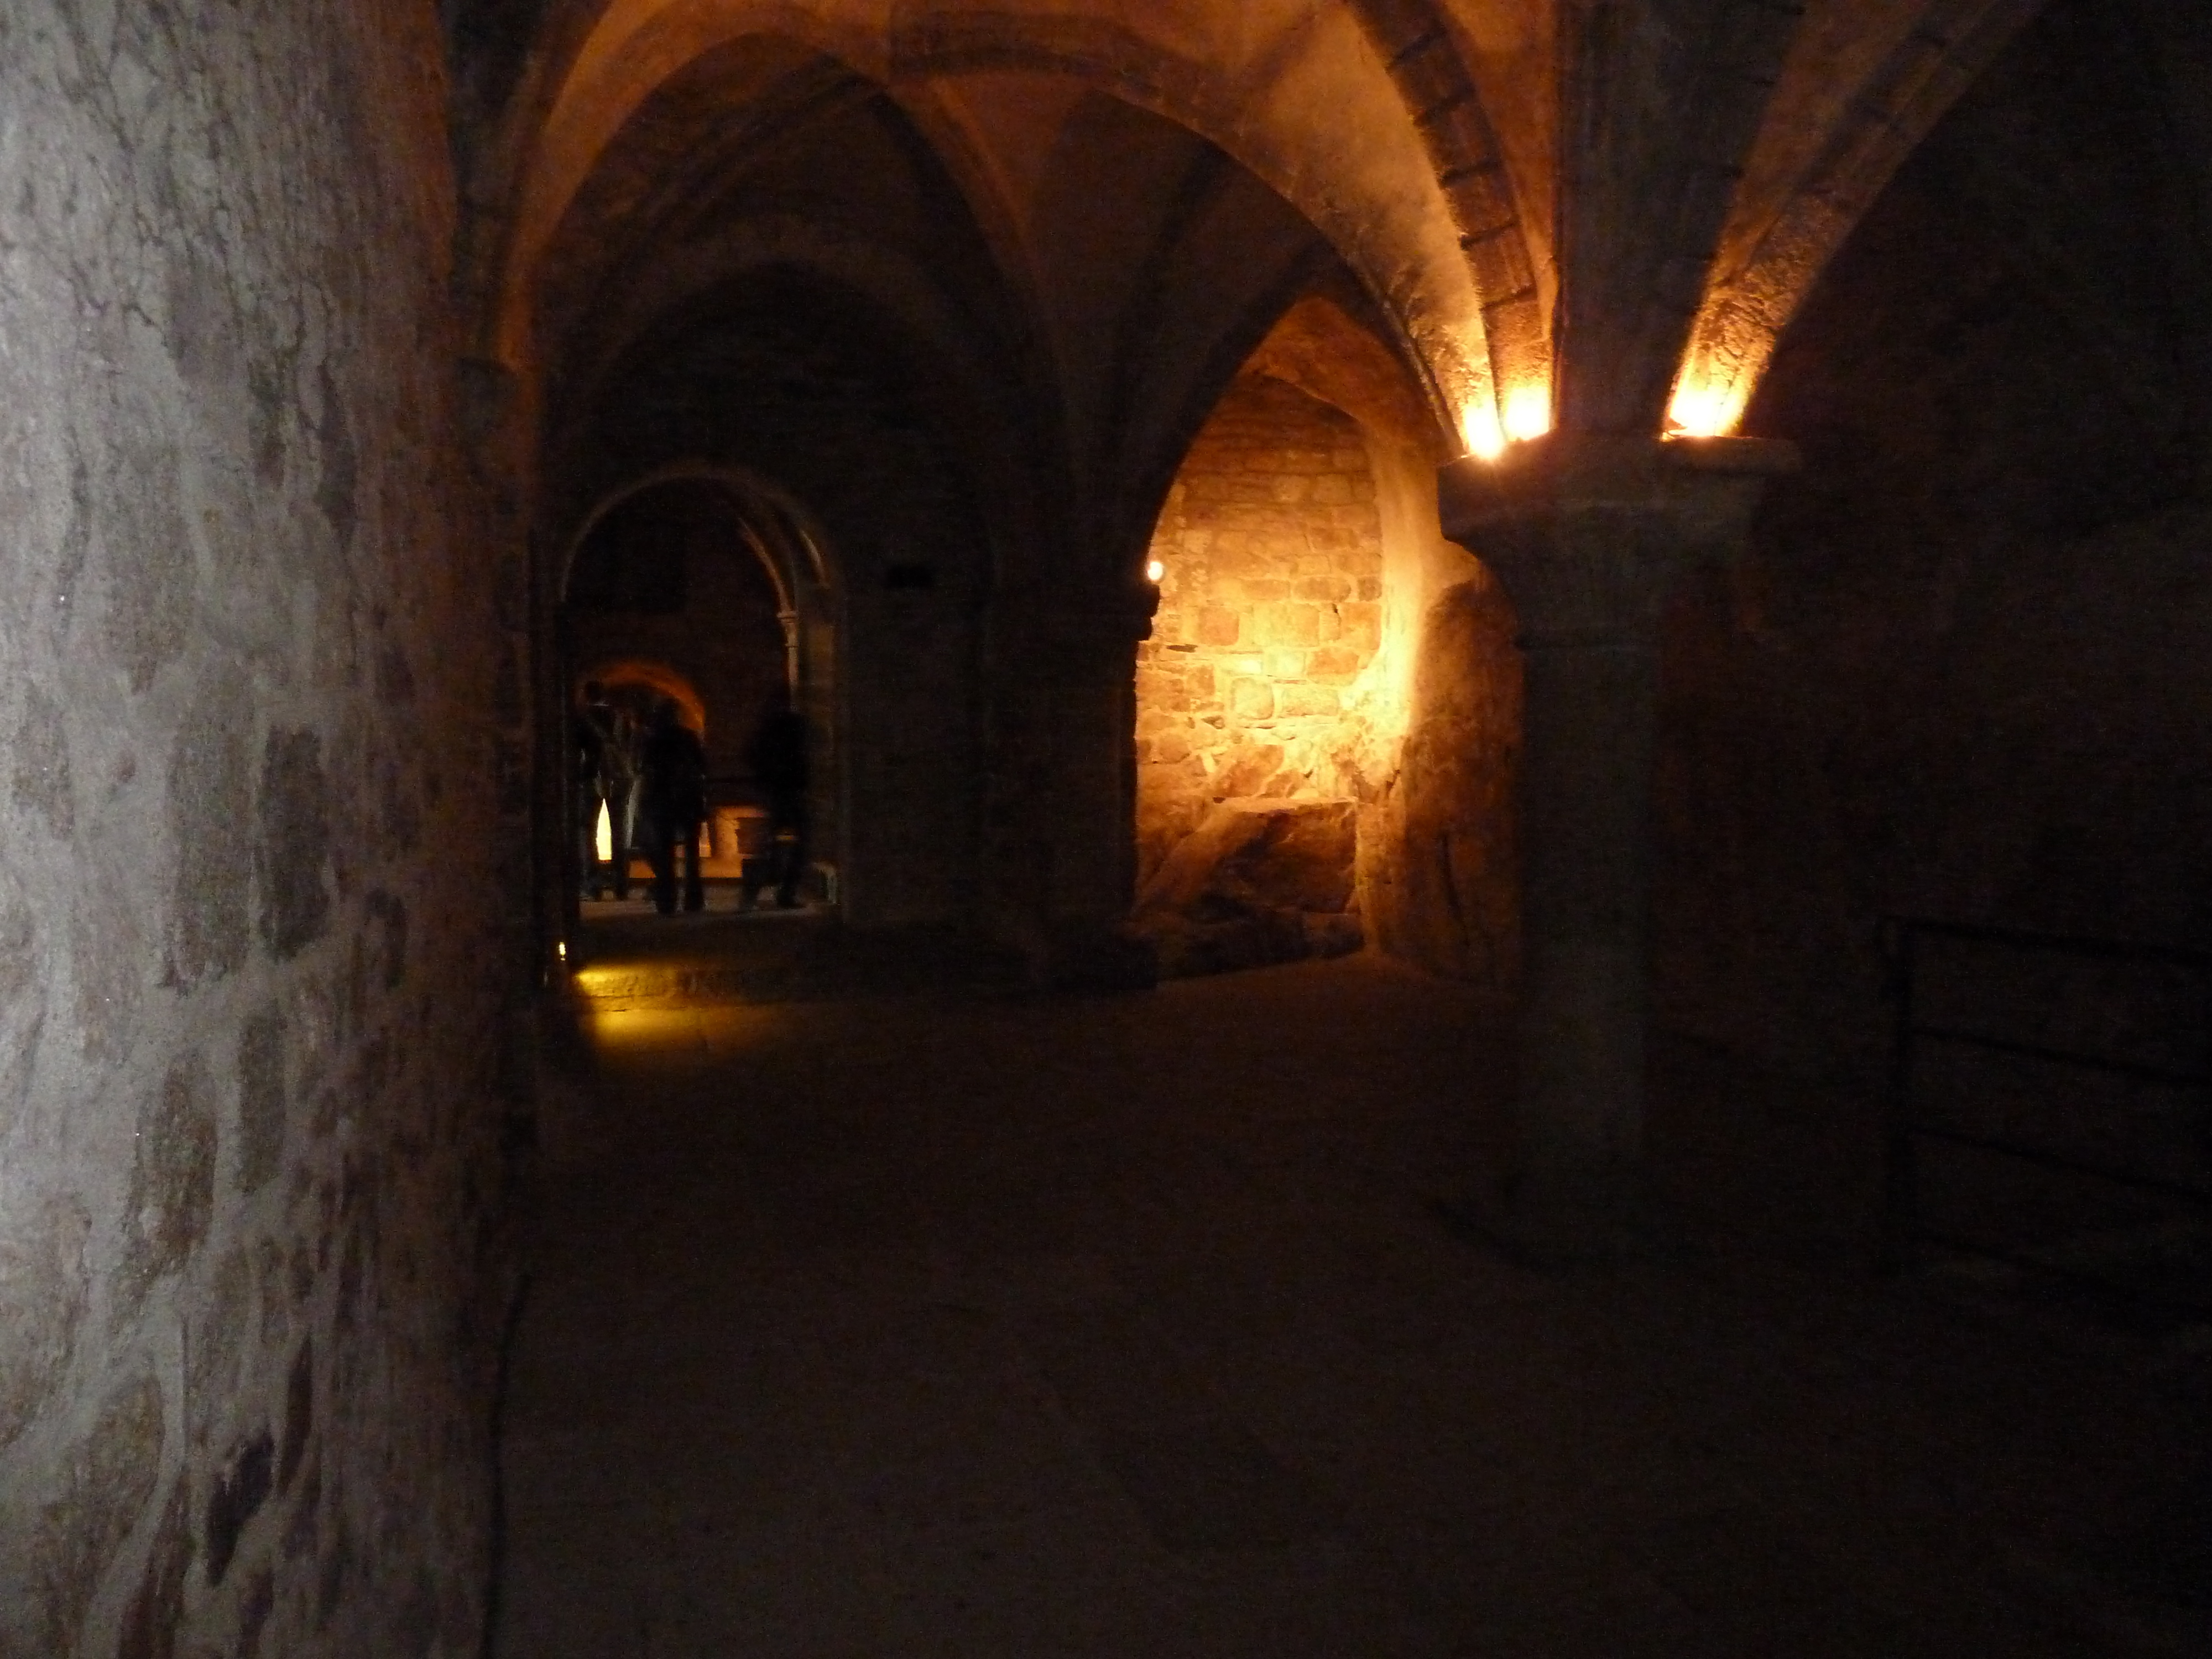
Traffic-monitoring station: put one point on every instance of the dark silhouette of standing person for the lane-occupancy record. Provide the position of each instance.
(776, 756)
(675, 806)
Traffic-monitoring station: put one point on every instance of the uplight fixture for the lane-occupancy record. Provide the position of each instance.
(1703, 408)
(1486, 438)
(1527, 412)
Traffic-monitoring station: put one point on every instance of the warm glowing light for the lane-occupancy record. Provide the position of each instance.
(1702, 408)
(1527, 412)
(1486, 438)
(561, 950)
(1155, 571)
(605, 845)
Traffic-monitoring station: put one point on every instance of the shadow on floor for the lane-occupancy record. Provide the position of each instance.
(980, 1325)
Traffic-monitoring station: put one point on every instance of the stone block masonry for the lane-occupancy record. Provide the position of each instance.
(1270, 616)
(249, 1157)
(1257, 710)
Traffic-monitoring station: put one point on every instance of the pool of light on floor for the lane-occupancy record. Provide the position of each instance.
(601, 982)
(707, 1030)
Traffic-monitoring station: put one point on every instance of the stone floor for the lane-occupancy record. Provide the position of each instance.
(958, 1323)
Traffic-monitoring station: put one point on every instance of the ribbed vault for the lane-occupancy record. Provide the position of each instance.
(1546, 201)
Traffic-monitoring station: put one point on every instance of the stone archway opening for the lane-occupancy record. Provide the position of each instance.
(636, 685)
(1261, 696)
(698, 591)
(1328, 709)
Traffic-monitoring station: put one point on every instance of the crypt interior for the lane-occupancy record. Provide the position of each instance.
(1505, 935)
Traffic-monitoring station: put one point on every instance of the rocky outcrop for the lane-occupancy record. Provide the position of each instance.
(1259, 881)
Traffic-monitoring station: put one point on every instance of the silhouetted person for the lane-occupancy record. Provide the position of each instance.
(675, 805)
(776, 756)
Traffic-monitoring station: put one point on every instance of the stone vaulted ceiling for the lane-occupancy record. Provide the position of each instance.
(1577, 212)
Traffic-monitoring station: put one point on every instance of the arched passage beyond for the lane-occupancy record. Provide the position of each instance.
(706, 589)
(671, 576)
(636, 683)
(987, 447)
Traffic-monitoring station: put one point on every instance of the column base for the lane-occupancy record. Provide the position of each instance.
(1592, 1216)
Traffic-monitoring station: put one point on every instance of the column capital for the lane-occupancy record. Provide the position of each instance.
(1587, 532)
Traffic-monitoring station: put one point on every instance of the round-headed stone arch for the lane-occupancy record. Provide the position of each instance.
(778, 528)
(675, 573)
(646, 679)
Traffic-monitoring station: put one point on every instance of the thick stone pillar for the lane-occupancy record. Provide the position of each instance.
(1586, 534)
(1065, 775)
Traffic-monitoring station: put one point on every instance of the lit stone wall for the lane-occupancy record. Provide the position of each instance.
(251, 864)
(1443, 886)
(1256, 681)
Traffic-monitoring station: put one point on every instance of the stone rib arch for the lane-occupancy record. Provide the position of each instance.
(1768, 268)
(1424, 61)
(665, 171)
(1113, 58)
(898, 287)
(800, 565)
(1108, 57)
(603, 64)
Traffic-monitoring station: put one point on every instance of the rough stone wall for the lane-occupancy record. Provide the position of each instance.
(1968, 669)
(1256, 681)
(247, 1146)
(1445, 891)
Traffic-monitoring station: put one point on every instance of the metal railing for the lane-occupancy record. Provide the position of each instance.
(1932, 973)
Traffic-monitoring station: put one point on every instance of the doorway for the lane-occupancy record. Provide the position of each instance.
(706, 596)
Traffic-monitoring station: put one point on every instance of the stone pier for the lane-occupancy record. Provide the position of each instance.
(1586, 534)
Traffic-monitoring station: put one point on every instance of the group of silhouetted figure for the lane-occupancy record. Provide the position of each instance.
(649, 780)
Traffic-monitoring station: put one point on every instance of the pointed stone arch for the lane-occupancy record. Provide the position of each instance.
(1416, 45)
